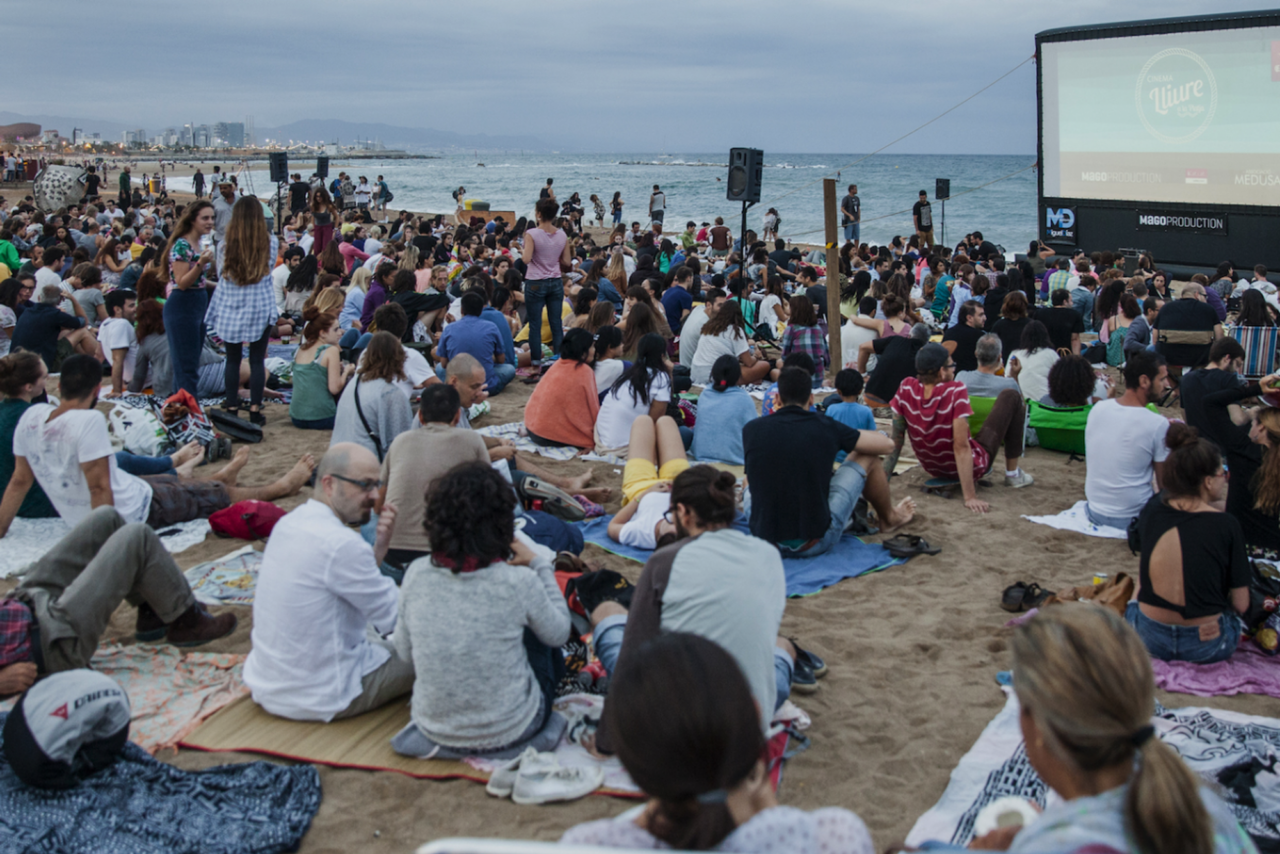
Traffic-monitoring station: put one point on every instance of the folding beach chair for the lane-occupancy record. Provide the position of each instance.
(981, 409)
(1259, 344)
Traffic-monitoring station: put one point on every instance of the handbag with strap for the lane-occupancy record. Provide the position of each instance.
(373, 437)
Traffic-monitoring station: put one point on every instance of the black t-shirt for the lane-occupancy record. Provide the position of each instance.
(783, 257)
(1198, 384)
(895, 361)
(966, 338)
(91, 183)
(1213, 558)
(992, 305)
(1062, 323)
(1185, 315)
(426, 244)
(986, 249)
(414, 303)
(298, 193)
(923, 212)
(1261, 530)
(544, 193)
(818, 296)
(1010, 332)
(38, 328)
(789, 458)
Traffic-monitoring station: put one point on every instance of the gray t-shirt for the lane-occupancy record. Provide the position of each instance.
(90, 299)
(986, 385)
(385, 408)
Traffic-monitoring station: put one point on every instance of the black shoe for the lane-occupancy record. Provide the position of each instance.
(811, 660)
(257, 418)
(803, 680)
(603, 585)
(149, 626)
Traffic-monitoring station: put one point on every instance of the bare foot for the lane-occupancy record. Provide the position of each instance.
(577, 484)
(299, 474)
(272, 395)
(903, 512)
(188, 452)
(231, 470)
(598, 494)
(188, 469)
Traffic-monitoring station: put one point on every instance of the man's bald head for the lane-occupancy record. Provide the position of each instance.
(466, 374)
(343, 463)
(462, 365)
(1193, 289)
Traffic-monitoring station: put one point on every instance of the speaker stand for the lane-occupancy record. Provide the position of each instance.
(742, 240)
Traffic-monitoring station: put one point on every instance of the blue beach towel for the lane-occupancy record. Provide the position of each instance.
(143, 806)
(805, 576)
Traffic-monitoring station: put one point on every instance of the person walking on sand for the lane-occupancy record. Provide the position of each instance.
(197, 183)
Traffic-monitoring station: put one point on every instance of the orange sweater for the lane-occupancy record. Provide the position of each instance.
(564, 405)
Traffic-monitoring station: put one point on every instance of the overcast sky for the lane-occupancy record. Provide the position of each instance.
(597, 75)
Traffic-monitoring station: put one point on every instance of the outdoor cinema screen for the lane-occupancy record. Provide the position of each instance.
(1189, 117)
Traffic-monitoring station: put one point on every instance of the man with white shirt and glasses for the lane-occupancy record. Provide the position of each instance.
(323, 611)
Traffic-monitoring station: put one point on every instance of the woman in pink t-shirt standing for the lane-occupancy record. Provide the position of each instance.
(546, 254)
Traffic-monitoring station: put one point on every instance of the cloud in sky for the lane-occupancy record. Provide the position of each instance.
(595, 75)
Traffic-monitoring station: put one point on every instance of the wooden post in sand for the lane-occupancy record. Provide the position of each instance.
(833, 274)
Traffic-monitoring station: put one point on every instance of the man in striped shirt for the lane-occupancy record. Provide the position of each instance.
(934, 409)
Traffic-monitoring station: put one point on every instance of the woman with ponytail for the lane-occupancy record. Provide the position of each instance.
(643, 391)
(1086, 697)
(686, 728)
(318, 373)
(723, 410)
(1194, 572)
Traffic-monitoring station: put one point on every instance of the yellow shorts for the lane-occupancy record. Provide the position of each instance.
(639, 475)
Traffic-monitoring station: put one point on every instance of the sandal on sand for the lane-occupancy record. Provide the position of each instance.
(1013, 596)
(1035, 596)
(909, 545)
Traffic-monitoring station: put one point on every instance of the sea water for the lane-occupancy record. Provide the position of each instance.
(695, 188)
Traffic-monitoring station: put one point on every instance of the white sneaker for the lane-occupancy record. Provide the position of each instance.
(540, 783)
(1019, 480)
(503, 778)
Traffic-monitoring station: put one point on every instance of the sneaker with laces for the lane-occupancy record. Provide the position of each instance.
(1019, 480)
(543, 783)
(503, 778)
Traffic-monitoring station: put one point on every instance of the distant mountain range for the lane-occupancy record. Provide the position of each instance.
(313, 130)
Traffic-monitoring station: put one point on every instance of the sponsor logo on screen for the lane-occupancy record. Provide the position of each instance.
(1187, 223)
(1257, 178)
(1197, 176)
(1101, 177)
(1060, 225)
(1176, 95)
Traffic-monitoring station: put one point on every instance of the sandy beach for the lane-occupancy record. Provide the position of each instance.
(913, 653)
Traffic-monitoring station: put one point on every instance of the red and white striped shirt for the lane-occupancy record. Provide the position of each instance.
(930, 422)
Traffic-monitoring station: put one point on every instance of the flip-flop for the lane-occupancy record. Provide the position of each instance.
(1014, 596)
(1035, 596)
(909, 545)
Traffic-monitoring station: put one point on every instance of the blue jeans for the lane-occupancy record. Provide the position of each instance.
(184, 327)
(617, 217)
(143, 466)
(842, 498)
(319, 424)
(556, 534)
(1109, 521)
(606, 640)
(354, 339)
(505, 374)
(853, 231)
(539, 294)
(1182, 643)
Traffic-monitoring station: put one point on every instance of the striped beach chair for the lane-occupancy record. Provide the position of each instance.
(1259, 343)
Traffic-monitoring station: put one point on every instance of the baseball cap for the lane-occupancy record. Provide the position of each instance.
(931, 358)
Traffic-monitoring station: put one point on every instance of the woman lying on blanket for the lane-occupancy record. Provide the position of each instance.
(703, 769)
(654, 457)
(1086, 692)
(482, 584)
(1194, 573)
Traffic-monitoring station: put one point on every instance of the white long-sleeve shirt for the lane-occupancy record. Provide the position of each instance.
(319, 590)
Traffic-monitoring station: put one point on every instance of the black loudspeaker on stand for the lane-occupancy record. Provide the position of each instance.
(279, 167)
(746, 166)
(322, 167)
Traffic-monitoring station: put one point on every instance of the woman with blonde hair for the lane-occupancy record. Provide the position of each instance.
(243, 307)
(327, 296)
(1086, 695)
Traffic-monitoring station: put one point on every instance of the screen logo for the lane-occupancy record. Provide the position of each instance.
(1176, 95)
(1060, 225)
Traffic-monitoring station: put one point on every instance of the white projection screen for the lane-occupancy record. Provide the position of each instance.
(1179, 117)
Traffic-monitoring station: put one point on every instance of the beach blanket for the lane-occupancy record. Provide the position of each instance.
(1247, 671)
(171, 692)
(362, 742)
(276, 350)
(805, 576)
(1074, 519)
(29, 540)
(524, 443)
(142, 806)
(1235, 753)
(228, 580)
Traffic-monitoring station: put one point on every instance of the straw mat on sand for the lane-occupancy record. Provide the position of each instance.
(363, 742)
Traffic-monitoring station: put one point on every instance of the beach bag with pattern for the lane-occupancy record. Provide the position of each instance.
(140, 430)
(191, 425)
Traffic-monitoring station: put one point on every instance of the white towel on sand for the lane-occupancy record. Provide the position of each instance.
(29, 540)
(1074, 519)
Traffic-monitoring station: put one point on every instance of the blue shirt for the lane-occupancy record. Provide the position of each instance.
(853, 415)
(676, 301)
(499, 320)
(717, 434)
(610, 293)
(475, 337)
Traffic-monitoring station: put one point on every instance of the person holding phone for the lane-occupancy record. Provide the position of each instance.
(187, 297)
